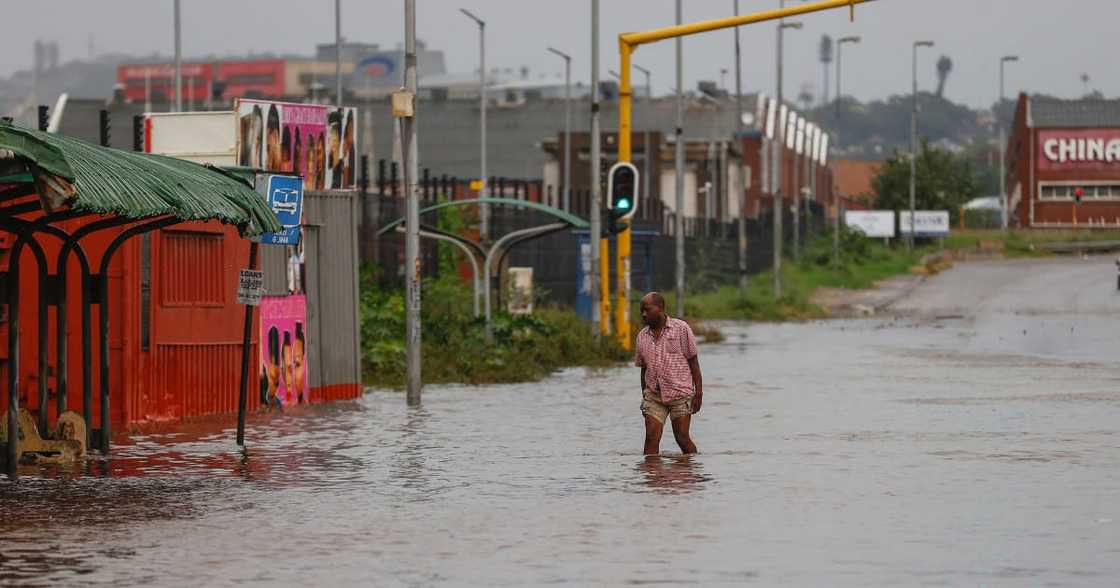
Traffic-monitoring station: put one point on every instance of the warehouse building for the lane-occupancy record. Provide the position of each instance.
(1063, 163)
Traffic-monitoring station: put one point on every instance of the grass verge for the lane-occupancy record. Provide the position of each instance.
(454, 348)
(863, 262)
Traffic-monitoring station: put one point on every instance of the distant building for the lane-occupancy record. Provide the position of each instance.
(852, 181)
(1063, 163)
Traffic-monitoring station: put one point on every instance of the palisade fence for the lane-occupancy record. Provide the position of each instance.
(711, 245)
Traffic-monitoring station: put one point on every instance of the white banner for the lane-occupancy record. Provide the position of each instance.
(927, 223)
(873, 223)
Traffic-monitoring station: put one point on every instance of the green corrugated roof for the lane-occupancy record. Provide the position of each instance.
(140, 185)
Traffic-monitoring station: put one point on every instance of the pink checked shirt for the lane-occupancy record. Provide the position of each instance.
(666, 359)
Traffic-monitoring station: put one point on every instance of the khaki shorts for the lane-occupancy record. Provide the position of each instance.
(654, 407)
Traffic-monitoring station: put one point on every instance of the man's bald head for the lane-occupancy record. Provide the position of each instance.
(655, 298)
(653, 309)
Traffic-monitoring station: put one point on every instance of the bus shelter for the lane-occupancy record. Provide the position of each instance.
(67, 209)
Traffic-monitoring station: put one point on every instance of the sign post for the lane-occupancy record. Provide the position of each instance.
(284, 195)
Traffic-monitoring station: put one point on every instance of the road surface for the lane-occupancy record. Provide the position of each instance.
(969, 438)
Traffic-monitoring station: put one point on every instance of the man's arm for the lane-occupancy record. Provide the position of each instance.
(697, 383)
(643, 380)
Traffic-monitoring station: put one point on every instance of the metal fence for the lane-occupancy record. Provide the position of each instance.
(711, 247)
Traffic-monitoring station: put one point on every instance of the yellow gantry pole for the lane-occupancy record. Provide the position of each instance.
(627, 43)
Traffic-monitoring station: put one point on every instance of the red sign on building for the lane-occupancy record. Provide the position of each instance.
(1078, 149)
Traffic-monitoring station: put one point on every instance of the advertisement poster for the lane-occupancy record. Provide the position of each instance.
(283, 361)
(315, 141)
(873, 223)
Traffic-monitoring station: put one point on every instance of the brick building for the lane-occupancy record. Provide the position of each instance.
(1063, 163)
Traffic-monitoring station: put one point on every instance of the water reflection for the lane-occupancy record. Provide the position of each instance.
(672, 474)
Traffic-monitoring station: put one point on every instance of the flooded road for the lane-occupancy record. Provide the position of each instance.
(969, 439)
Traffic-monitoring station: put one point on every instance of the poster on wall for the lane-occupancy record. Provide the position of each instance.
(315, 141)
(283, 361)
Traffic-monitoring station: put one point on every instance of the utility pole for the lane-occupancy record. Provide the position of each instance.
(484, 209)
(178, 60)
(678, 217)
(914, 140)
(779, 146)
(743, 194)
(645, 133)
(567, 194)
(796, 126)
(600, 320)
(1003, 148)
(412, 216)
(338, 51)
(835, 195)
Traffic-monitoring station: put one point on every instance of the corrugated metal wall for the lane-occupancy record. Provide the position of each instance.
(330, 248)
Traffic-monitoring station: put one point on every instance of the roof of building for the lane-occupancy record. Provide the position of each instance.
(1088, 112)
(100, 180)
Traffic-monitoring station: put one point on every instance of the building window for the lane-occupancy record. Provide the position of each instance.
(1065, 191)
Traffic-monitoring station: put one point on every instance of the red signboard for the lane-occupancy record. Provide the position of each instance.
(156, 81)
(1079, 150)
(260, 78)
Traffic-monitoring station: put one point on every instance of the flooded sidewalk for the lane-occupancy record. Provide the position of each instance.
(937, 445)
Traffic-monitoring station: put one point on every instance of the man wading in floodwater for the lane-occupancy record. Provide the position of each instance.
(671, 382)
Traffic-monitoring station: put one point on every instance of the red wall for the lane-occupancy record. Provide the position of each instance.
(191, 366)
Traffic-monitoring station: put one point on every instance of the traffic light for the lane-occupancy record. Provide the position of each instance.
(622, 190)
(1077, 194)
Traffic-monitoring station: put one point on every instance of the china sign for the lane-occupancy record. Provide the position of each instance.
(1079, 149)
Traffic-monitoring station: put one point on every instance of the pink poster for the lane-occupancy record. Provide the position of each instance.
(284, 351)
(314, 141)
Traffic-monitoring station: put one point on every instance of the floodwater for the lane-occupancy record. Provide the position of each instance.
(969, 439)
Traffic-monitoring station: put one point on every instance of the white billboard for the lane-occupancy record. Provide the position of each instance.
(927, 223)
(201, 137)
(873, 223)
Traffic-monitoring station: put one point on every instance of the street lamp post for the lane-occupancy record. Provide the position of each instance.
(178, 60)
(914, 139)
(338, 52)
(779, 145)
(484, 210)
(839, 48)
(567, 193)
(678, 173)
(742, 220)
(1003, 148)
(835, 195)
(410, 150)
(645, 134)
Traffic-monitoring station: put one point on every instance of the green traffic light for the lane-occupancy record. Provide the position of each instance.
(624, 203)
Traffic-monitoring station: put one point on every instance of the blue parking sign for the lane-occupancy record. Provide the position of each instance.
(285, 198)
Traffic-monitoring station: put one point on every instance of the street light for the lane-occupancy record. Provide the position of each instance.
(645, 133)
(567, 194)
(839, 48)
(777, 145)
(835, 195)
(1003, 147)
(914, 139)
(484, 211)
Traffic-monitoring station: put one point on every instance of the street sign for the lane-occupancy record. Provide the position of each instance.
(250, 287)
(873, 223)
(285, 198)
(927, 223)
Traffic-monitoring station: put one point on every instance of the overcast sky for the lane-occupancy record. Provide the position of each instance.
(1056, 40)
